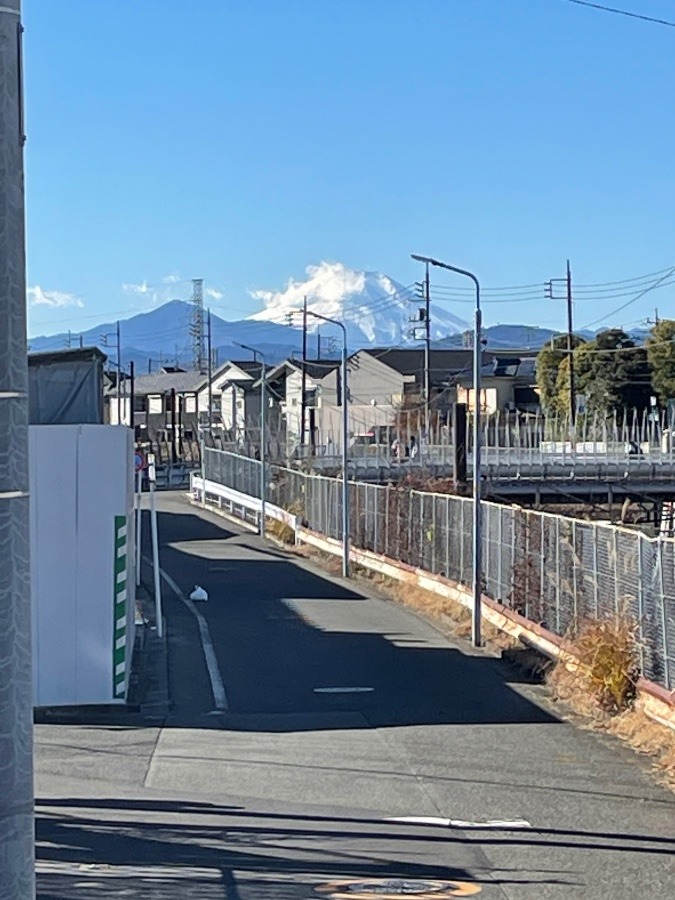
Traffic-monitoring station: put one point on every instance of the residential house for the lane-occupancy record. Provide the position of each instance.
(508, 383)
(285, 383)
(385, 380)
(234, 394)
(162, 400)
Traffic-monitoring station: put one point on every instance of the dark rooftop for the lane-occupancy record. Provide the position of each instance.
(443, 363)
(165, 382)
(79, 354)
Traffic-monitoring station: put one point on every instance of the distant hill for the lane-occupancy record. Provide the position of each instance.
(521, 337)
(162, 335)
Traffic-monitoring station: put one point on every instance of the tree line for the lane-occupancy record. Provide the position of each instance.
(611, 372)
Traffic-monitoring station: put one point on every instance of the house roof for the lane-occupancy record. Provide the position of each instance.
(165, 382)
(316, 369)
(410, 361)
(249, 366)
(319, 368)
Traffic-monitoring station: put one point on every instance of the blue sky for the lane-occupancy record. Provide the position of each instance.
(243, 141)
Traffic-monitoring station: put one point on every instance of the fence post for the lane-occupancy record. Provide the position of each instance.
(542, 563)
(446, 542)
(664, 618)
(595, 569)
(500, 589)
(574, 572)
(641, 605)
(420, 542)
(557, 574)
(461, 543)
(516, 602)
(615, 552)
(433, 533)
(487, 531)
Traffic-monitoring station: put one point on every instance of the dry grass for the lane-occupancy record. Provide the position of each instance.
(602, 689)
(281, 531)
(604, 680)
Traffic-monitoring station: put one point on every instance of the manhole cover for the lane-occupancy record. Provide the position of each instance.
(392, 888)
(396, 887)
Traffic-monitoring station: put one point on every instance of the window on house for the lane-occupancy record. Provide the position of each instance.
(155, 403)
(190, 404)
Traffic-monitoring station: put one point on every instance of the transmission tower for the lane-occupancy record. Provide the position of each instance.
(197, 325)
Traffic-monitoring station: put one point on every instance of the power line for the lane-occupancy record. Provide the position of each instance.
(632, 300)
(623, 12)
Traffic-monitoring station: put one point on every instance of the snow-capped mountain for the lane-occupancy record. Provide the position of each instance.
(376, 309)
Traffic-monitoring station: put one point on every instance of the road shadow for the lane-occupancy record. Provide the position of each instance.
(298, 651)
(127, 848)
(287, 640)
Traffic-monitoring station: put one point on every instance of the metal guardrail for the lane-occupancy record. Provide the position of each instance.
(236, 500)
(553, 569)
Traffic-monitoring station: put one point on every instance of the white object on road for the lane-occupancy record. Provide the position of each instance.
(501, 824)
(216, 679)
(199, 594)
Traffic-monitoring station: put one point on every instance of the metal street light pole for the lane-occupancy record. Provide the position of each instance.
(345, 438)
(476, 574)
(17, 854)
(263, 431)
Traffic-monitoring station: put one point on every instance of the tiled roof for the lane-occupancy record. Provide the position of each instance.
(165, 382)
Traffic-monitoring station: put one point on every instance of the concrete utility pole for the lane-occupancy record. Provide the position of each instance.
(263, 431)
(477, 537)
(17, 850)
(209, 369)
(550, 289)
(424, 292)
(303, 401)
(119, 373)
(345, 442)
(197, 326)
(427, 354)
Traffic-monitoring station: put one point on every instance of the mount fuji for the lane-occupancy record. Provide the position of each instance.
(375, 309)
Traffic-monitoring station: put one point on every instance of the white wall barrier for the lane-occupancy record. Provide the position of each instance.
(82, 562)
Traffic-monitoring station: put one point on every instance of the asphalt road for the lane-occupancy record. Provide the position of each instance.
(283, 788)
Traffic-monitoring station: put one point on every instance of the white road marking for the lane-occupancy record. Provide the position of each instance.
(419, 820)
(503, 824)
(343, 690)
(216, 679)
(148, 873)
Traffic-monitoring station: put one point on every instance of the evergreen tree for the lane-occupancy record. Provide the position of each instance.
(614, 374)
(549, 361)
(661, 355)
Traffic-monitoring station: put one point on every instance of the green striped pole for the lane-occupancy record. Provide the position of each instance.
(120, 614)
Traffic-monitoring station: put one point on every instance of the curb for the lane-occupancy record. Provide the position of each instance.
(151, 664)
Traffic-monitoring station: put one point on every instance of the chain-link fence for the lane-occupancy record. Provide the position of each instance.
(552, 569)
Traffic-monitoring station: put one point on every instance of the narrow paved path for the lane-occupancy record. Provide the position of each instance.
(284, 787)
